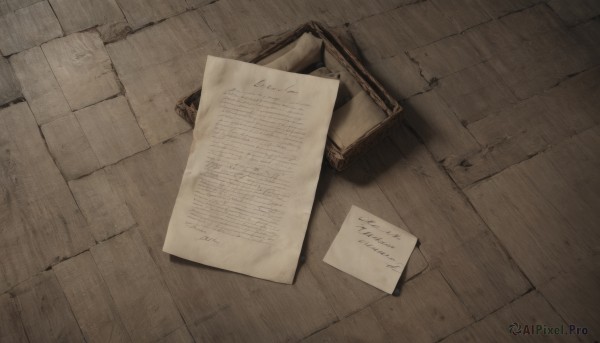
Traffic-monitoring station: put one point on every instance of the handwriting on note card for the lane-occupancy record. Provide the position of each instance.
(371, 249)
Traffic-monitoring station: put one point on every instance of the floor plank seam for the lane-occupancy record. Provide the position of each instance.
(471, 314)
(487, 226)
(430, 83)
(541, 3)
(61, 173)
(564, 79)
(116, 312)
(486, 59)
(529, 157)
(62, 91)
(163, 278)
(414, 2)
(319, 330)
(570, 26)
(62, 290)
(130, 109)
(40, 272)
(408, 228)
(552, 307)
(472, 207)
(489, 314)
(13, 102)
(56, 16)
(340, 319)
(19, 307)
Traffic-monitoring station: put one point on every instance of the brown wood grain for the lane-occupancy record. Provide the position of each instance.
(90, 300)
(44, 310)
(41, 223)
(139, 292)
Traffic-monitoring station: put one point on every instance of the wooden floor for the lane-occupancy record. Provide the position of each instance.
(496, 170)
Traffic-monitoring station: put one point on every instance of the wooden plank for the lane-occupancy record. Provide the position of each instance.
(556, 54)
(498, 9)
(466, 170)
(148, 183)
(11, 329)
(424, 22)
(475, 93)
(531, 309)
(439, 127)
(512, 207)
(446, 56)
(514, 203)
(265, 311)
(140, 295)
(533, 21)
(575, 11)
(78, 15)
(568, 171)
(10, 89)
(523, 130)
(482, 275)
(27, 27)
(4, 9)
(575, 297)
(359, 327)
(392, 32)
(423, 195)
(492, 38)
(112, 130)
(45, 311)
(41, 222)
(399, 75)
(425, 311)
(84, 81)
(160, 65)
(580, 97)
(70, 147)
(105, 211)
(112, 32)
(90, 300)
(14, 5)
(341, 12)
(197, 3)
(250, 24)
(371, 32)
(181, 335)
(153, 92)
(160, 43)
(463, 13)
(40, 87)
(142, 12)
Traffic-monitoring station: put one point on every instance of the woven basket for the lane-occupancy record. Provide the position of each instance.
(338, 158)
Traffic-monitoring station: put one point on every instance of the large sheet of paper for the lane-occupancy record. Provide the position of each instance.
(250, 181)
(371, 249)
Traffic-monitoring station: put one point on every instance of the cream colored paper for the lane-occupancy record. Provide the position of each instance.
(349, 87)
(272, 57)
(305, 52)
(371, 249)
(324, 72)
(354, 119)
(249, 185)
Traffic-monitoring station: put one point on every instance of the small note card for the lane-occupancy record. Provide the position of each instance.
(371, 249)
